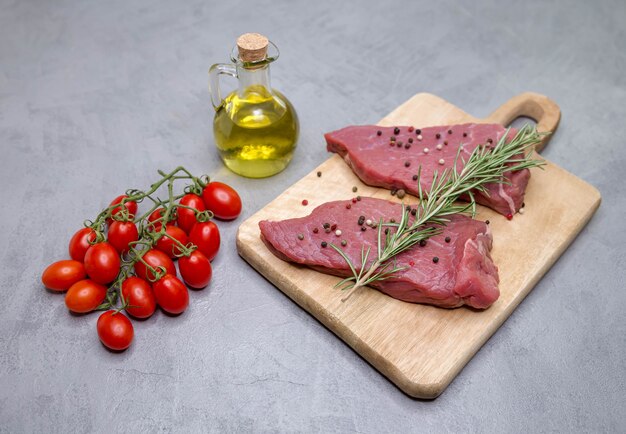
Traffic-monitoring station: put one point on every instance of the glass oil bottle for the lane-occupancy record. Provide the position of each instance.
(255, 127)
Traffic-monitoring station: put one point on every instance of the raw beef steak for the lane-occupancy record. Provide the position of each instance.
(450, 269)
(390, 157)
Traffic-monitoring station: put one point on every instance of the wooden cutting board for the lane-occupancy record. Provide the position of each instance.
(422, 348)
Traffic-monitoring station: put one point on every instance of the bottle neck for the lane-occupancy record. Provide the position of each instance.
(253, 77)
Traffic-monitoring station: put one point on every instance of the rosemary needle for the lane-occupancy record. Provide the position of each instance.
(484, 166)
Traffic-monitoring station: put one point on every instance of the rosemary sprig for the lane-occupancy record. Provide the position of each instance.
(484, 166)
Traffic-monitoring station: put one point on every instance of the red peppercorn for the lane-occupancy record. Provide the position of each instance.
(411, 263)
(348, 206)
(411, 129)
(354, 200)
(305, 202)
(509, 216)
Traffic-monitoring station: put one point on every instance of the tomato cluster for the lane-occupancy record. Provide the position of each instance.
(125, 262)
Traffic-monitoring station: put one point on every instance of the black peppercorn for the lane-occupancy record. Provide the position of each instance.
(415, 177)
(324, 243)
(447, 239)
(422, 243)
(315, 230)
(407, 163)
(379, 133)
(319, 174)
(410, 139)
(435, 259)
(438, 135)
(396, 130)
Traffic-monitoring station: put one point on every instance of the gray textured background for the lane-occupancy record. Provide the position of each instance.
(95, 96)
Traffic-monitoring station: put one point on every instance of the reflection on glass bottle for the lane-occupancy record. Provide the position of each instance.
(255, 127)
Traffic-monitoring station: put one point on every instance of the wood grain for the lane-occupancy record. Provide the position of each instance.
(422, 348)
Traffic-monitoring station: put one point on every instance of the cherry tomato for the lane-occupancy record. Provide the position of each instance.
(169, 246)
(222, 199)
(122, 233)
(195, 269)
(139, 296)
(171, 294)
(115, 330)
(80, 243)
(157, 214)
(154, 258)
(102, 263)
(131, 206)
(187, 217)
(60, 275)
(206, 236)
(84, 296)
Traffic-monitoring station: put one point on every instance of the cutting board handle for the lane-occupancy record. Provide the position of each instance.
(538, 107)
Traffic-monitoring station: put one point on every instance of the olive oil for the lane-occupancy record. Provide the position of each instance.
(256, 131)
(255, 127)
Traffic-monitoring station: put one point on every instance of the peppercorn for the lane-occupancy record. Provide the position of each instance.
(422, 243)
(361, 220)
(333, 227)
(407, 163)
(411, 129)
(410, 139)
(486, 221)
(315, 230)
(344, 243)
(464, 134)
(326, 225)
(447, 239)
(354, 189)
(379, 133)
(396, 130)
(399, 144)
(392, 138)
(305, 202)
(418, 131)
(300, 237)
(358, 198)
(324, 243)
(319, 174)
(393, 191)
(363, 228)
(449, 131)
(401, 193)
(413, 212)
(435, 259)
(415, 177)
(407, 146)
(438, 135)
(348, 206)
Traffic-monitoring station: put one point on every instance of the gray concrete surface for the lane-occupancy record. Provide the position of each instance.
(96, 96)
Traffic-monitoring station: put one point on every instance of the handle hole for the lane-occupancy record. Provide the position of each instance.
(520, 121)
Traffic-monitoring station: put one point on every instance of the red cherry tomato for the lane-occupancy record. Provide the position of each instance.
(102, 263)
(169, 246)
(206, 236)
(222, 199)
(60, 275)
(157, 214)
(122, 233)
(115, 330)
(84, 296)
(131, 206)
(79, 244)
(171, 294)
(154, 258)
(187, 217)
(139, 296)
(195, 269)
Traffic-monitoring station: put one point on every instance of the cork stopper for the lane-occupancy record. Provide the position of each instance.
(252, 47)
